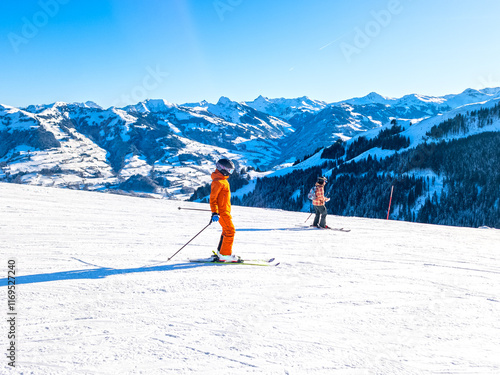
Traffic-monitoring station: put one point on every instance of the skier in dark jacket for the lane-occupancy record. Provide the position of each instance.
(319, 203)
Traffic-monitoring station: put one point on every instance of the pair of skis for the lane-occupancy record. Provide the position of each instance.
(248, 262)
(327, 228)
(337, 229)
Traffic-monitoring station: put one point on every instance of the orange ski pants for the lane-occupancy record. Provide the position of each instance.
(226, 239)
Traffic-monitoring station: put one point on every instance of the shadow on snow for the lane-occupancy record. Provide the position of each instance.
(100, 273)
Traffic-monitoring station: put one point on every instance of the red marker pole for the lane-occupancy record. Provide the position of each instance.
(390, 201)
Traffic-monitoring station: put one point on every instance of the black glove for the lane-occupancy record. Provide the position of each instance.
(215, 217)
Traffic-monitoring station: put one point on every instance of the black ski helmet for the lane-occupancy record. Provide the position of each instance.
(225, 166)
(322, 180)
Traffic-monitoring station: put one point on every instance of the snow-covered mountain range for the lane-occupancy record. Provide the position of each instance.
(160, 147)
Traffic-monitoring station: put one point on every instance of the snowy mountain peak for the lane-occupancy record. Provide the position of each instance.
(38, 108)
(91, 104)
(472, 92)
(159, 103)
(260, 101)
(371, 98)
(416, 99)
(150, 105)
(483, 94)
(312, 104)
(57, 105)
(468, 96)
(375, 96)
(225, 101)
(493, 91)
(202, 104)
(305, 99)
(4, 107)
(286, 108)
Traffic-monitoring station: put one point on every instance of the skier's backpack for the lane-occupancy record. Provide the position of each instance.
(312, 193)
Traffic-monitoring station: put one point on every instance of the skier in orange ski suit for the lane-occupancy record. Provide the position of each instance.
(220, 204)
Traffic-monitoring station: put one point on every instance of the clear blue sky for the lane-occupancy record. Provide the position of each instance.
(118, 52)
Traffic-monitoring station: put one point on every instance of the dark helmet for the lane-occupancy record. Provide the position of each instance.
(322, 180)
(225, 166)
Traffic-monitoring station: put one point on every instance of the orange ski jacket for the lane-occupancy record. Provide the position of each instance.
(220, 195)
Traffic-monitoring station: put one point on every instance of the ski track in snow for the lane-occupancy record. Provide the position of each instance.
(96, 295)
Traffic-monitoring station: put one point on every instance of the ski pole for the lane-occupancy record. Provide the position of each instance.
(390, 201)
(193, 209)
(190, 240)
(308, 216)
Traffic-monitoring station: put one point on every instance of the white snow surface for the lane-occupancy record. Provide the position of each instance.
(96, 294)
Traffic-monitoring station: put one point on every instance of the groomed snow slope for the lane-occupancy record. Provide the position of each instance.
(95, 295)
